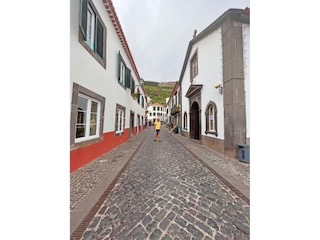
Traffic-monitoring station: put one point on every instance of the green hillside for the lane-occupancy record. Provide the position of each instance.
(158, 94)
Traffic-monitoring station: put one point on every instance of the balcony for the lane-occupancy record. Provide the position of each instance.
(175, 109)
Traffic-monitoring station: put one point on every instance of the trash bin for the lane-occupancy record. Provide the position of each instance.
(244, 153)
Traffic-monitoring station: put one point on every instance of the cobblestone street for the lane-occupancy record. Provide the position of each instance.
(166, 193)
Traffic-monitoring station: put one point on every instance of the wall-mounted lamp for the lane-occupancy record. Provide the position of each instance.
(219, 86)
(141, 82)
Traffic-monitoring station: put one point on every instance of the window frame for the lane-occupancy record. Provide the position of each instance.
(87, 121)
(120, 122)
(185, 121)
(213, 131)
(194, 64)
(80, 90)
(124, 73)
(85, 5)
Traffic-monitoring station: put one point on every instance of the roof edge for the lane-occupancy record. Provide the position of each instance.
(234, 13)
(117, 26)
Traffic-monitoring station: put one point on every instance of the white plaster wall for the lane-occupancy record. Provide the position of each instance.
(86, 71)
(246, 59)
(209, 74)
(185, 84)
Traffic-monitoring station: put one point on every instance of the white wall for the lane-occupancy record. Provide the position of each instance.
(209, 74)
(246, 59)
(86, 71)
(150, 112)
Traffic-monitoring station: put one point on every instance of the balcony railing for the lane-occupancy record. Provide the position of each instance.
(175, 109)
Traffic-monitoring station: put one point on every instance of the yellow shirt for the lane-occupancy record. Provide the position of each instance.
(157, 125)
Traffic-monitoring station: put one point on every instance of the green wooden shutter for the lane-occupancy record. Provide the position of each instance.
(83, 17)
(119, 65)
(127, 80)
(132, 85)
(99, 39)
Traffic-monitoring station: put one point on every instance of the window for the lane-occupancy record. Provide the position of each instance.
(211, 119)
(211, 115)
(185, 120)
(86, 123)
(154, 114)
(142, 102)
(154, 108)
(132, 85)
(157, 108)
(92, 34)
(88, 114)
(120, 119)
(194, 66)
(124, 73)
(138, 97)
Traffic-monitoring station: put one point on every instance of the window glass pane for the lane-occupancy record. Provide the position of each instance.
(120, 121)
(81, 117)
(117, 119)
(93, 130)
(93, 124)
(80, 132)
(90, 27)
(82, 103)
(94, 107)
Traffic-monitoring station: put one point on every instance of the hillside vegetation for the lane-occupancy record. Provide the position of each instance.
(158, 94)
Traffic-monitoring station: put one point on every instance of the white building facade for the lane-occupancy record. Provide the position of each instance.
(215, 85)
(108, 105)
(156, 111)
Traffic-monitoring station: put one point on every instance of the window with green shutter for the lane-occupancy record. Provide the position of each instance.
(124, 73)
(92, 33)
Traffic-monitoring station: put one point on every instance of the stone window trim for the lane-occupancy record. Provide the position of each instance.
(193, 60)
(81, 40)
(76, 90)
(185, 121)
(207, 131)
(120, 107)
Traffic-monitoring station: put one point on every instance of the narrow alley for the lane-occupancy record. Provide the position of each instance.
(163, 190)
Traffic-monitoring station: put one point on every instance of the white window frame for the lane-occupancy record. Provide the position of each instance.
(120, 120)
(211, 119)
(87, 131)
(90, 34)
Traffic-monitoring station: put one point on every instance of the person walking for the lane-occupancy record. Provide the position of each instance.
(157, 126)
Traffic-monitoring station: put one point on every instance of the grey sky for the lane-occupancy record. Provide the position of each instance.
(158, 31)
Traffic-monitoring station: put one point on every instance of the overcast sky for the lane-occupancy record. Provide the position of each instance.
(158, 31)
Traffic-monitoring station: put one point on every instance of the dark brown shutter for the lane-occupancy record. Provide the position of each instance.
(99, 39)
(83, 18)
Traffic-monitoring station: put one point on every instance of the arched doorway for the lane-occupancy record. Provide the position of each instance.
(195, 121)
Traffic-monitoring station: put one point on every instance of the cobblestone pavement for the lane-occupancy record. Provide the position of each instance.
(167, 194)
(239, 170)
(85, 179)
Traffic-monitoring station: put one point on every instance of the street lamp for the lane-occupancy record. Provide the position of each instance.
(141, 82)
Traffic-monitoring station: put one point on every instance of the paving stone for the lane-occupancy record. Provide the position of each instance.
(195, 231)
(146, 220)
(155, 235)
(180, 221)
(161, 215)
(212, 223)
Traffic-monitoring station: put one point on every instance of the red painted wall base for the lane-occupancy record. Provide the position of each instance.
(82, 156)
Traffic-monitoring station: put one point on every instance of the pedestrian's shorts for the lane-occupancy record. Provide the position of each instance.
(158, 130)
